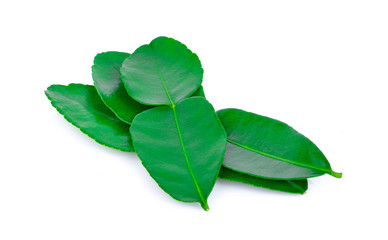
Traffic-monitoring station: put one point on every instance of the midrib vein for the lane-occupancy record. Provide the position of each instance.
(186, 158)
(180, 137)
(278, 158)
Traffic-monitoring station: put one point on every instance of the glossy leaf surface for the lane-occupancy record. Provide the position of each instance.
(291, 186)
(265, 147)
(182, 147)
(107, 80)
(162, 72)
(81, 106)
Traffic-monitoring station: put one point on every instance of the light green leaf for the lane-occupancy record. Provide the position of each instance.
(82, 107)
(107, 80)
(161, 73)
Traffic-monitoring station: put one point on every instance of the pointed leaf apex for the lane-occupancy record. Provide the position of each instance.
(205, 206)
(336, 174)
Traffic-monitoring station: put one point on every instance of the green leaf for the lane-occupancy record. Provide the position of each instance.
(199, 93)
(265, 147)
(107, 80)
(182, 147)
(82, 107)
(161, 73)
(291, 186)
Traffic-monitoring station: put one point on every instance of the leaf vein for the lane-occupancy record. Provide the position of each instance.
(203, 202)
(282, 159)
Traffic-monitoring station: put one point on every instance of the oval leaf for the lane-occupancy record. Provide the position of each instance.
(181, 147)
(162, 73)
(265, 147)
(291, 186)
(107, 80)
(81, 106)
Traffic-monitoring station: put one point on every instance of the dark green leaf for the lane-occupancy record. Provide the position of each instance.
(106, 76)
(265, 147)
(182, 147)
(291, 186)
(199, 93)
(81, 106)
(162, 73)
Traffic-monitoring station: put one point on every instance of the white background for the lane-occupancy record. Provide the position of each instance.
(320, 66)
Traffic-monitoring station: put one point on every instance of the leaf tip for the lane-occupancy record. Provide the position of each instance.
(205, 206)
(336, 174)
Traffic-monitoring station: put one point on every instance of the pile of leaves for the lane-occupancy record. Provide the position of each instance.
(152, 102)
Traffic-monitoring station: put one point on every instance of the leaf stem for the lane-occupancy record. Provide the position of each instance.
(335, 174)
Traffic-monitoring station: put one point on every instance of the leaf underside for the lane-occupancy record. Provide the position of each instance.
(290, 186)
